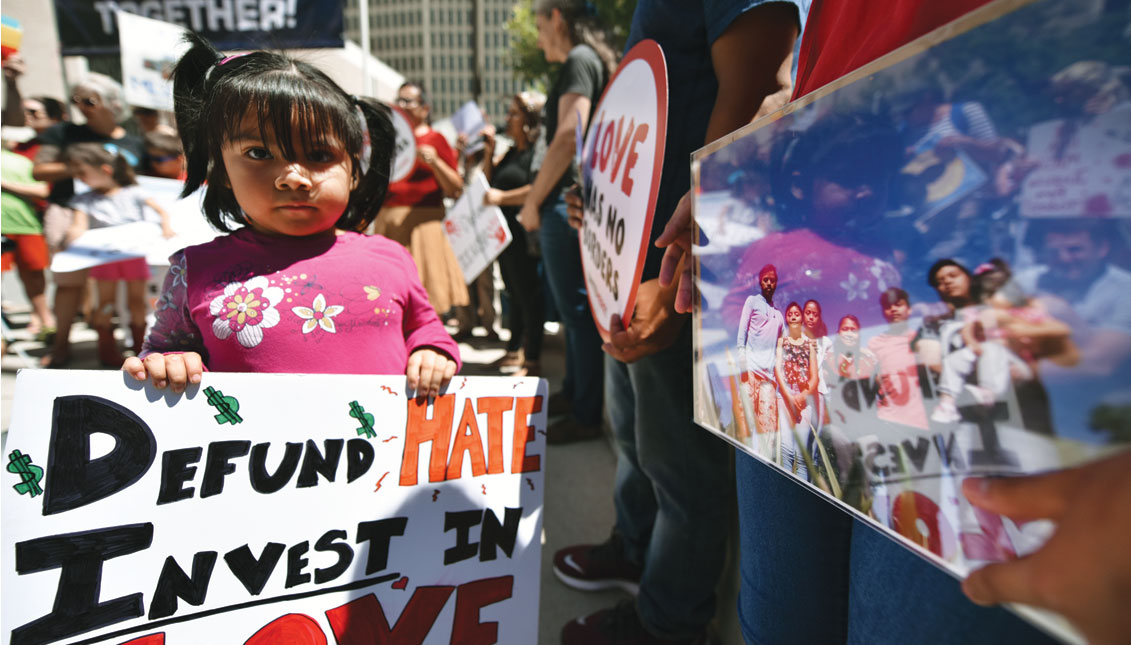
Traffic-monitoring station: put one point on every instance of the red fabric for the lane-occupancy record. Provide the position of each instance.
(30, 253)
(28, 148)
(420, 187)
(843, 35)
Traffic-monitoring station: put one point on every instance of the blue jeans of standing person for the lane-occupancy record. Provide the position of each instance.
(673, 492)
(812, 573)
(561, 256)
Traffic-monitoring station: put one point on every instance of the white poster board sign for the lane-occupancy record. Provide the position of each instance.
(149, 48)
(468, 121)
(404, 157)
(1082, 167)
(477, 233)
(621, 164)
(142, 239)
(272, 509)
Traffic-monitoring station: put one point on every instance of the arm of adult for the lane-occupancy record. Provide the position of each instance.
(13, 102)
(450, 182)
(48, 165)
(512, 197)
(487, 165)
(1084, 570)
(752, 60)
(559, 154)
(26, 191)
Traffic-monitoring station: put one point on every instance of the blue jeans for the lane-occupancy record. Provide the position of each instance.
(673, 489)
(811, 573)
(561, 256)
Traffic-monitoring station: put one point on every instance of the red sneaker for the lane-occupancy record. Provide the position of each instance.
(619, 624)
(592, 567)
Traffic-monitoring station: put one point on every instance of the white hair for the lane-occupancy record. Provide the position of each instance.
(110, 91)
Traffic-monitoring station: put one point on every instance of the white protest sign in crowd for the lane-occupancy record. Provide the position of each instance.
(477, 233)
(621, 166)
(272, 508)
(150, 48)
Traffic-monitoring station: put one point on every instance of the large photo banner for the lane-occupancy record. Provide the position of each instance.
(621, 161)
(921, 274)
(89, 27)
(268, 509)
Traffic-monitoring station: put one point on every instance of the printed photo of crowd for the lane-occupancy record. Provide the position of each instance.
(906, 291)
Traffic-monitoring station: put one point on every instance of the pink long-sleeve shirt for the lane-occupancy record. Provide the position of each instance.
(345, 304)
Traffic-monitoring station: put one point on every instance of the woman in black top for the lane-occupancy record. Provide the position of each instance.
(510, 180)
(568, 33)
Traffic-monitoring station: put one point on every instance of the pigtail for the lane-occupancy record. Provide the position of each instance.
(188, 107)
(373, 184)
(123, 172)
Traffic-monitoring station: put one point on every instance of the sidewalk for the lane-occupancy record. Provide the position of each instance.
(578, 505)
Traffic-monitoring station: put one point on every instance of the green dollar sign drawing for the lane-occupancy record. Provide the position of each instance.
(30, 475)
(366, 419)
(228, 406)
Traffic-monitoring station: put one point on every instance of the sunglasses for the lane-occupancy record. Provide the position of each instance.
(407, 102)
(88, 101)
(163, 158)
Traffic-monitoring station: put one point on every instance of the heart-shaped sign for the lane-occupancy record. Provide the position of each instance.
(405, 157)
(621, 164)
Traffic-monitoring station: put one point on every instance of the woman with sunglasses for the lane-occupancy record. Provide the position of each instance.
(413, 212)
(103, 105)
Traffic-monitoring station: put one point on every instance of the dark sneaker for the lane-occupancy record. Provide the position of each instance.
(568, 430)
(592, 567)
(618, 624)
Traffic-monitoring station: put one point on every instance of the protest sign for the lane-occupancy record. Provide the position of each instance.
(882, 330)
(477, 233)
(621, 163)
(149, 50)
(272, 508)
(88, 26)
(1082, 167)
(142, 239)
(404, 155)
(468, 121)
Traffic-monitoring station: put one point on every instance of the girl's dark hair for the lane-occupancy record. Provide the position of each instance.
(213, 93)
(585, 28)
(103, 154)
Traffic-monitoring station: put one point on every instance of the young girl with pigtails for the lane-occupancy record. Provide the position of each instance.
(292, 166)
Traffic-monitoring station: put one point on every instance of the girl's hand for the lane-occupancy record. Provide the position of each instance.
(167, 231)
(175, 370)
(429, 372)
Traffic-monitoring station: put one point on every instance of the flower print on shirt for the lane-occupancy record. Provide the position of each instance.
(177, 270)
(319, 315)
(246, 309)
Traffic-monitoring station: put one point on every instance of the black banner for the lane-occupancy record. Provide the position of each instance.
(89, 27)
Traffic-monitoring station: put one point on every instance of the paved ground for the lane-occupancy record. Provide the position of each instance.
(578, 499)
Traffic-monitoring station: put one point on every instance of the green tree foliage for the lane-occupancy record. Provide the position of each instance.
(526, 59)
